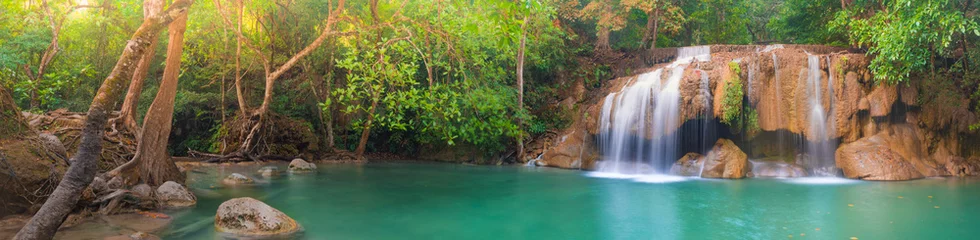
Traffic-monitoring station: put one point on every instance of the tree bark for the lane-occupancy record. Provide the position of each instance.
(520, 89)
(152, 159)
(46, 221)
(127, 114)
(242, 105)
(366, 132)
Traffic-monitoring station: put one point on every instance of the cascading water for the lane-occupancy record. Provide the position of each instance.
(707, 128)
(820, 146)
(638, 124)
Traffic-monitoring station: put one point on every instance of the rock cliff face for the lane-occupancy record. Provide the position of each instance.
(916, 121)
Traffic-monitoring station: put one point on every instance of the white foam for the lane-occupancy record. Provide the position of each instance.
(644, 178)
(613, 175)
(821, 181)
(659, 178)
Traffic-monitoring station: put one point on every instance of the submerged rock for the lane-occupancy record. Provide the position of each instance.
(172, 194)
(725, 160)
(134, 236)
(237, 179)
(141, 221)
(252, 218)
(298, 165)
(689, 165)
(268, 171)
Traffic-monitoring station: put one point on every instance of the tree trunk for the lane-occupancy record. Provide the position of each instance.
(127, 114)
(602, 43)
(242, 105)
(520, 89)
(12, 124)
(54, 211)
(362, 144)
(155, 166)
(271, 77)
(656, 29)
(46, 58)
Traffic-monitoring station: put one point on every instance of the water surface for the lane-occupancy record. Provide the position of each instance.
(443, 201)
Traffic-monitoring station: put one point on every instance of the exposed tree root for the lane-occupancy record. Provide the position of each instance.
(118, 145)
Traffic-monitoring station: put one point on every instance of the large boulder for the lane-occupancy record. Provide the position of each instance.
(248, 217)
(298, 165)
(872, 159)
(27, 175)
(689, 165)
(172, 194)
(236, 179)
(725, 160)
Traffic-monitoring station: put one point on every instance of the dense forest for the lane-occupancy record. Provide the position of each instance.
(131, 87)
(406, 76)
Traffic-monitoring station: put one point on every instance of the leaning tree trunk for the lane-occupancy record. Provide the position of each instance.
(151, 162)
(248, 142)
(46, 221)
(127, 114)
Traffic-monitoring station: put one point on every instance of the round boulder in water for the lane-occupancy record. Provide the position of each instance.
(725, 160)
(172, 194)
(268, 171)
(237, 179)
(298, 165)
(247, 217)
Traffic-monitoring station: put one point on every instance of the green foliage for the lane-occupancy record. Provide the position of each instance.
(732, 98)
(905, 36)
(804, 22)
(720, 22)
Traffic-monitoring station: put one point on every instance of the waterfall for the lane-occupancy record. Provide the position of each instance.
(638, 124)
(820, 146)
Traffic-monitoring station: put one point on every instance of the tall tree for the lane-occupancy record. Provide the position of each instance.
(273, 73)
(127, 114)
(151, 158)
(36, 76)
(46, 221)
(661, 14)
(520, 85)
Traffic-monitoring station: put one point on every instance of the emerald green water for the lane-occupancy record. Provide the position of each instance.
(443, 201)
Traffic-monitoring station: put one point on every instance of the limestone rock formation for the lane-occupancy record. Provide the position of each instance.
(872, 159)
(573, 148)
(725, 160)
(172, 194)
(776, 169)
(247, 217)
(689, 165)
(298, 165)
